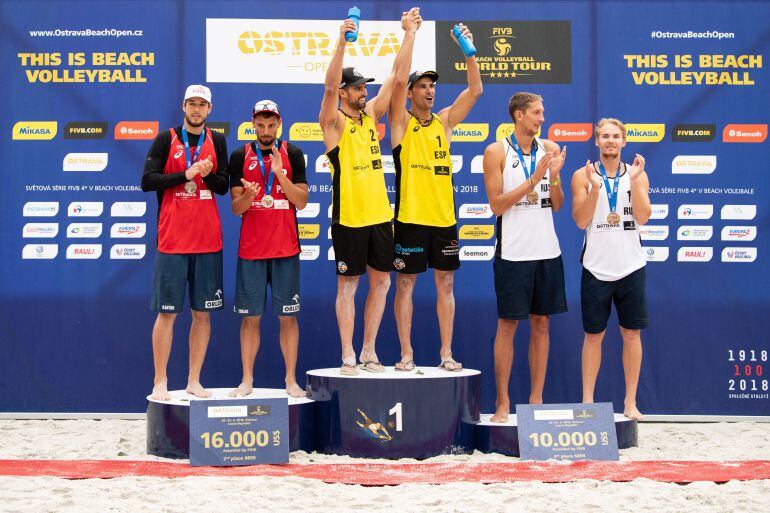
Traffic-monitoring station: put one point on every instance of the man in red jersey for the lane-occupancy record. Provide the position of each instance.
(267, 185)
(185, 166)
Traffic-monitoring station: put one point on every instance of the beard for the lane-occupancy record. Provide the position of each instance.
(359, 104)
(193, 124)
(266, 140)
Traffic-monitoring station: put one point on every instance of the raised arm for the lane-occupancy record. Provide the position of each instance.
(398, 116)
(328, 116)
(455, 114)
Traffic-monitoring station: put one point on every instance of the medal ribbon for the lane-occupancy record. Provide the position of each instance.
(187, 146)
(533, 157)
(612, 195)
(266, 172)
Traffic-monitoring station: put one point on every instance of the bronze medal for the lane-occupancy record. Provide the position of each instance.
(613, 218)
(267, 201)
(191, 187)
(532, 197)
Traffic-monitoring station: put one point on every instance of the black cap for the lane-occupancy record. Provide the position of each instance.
(417, 75)
(351, 77)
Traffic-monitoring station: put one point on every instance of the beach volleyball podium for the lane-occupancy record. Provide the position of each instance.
(417, 414)
(168, 422)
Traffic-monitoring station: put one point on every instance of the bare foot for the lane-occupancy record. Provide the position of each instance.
(196, 389)
(535, 399)
(501, 415)
(294, 390)
(243, 390)
(633, 413)
(160, 392)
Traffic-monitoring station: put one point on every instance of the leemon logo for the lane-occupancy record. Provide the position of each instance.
(34, 130)
(306, 132)
(477, 164)
(84, 230)
(477, 231)
(570, 132)
(85, 209)
(128, 230)
(695, 254)
(128, 209)
(84, 251)
(659, 211)
(311, 210)
(470, 132)
(736, 133)
(655, 253)
(741, 233)
(694, 164)
(695, 211)
(694, 233)
(135, 130)
(739, 254)
(309, 231)
(477, 252)
(85, 162)
(652, 232)
(40, 230)
(39, 251)
(475, 211)
(127, 251)
(741, 212)
(322, 164)
(645, 132)
(309, 252)
(41, 208)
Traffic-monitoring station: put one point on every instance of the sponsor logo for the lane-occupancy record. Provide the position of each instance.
(695, 211)
(311, 210)
(167, 307)
(457, 163)
(214, 303)
(128, 209)
(34, 130)
(398, 264)
(306, 132)
(136, 130)
(739, 254)
(330, 254)
(477, 164)
(84, 251)
(39, 251)
(84, 230)
(291, 308)
(322, 164)
(40, 230)
(694, 233)
(85, 162)
(85, 130)
(127, 251)
(309, 252)
(741, 212)
(475, 211)
(571, 132)
(477, 231)
(735, 133)
(694, 164)
(649, 232)
(695, 254)
(645, 132)
(505, 130)
(693, 133)
(656, 253)
(222, 127)
(85, 209)
(659, 211)
(477, 252)
(742, 233)
(470, 132)
(388, 165)
(41, 208)
(408, 250)
(330, 211)
(128, 231)
(309, 231)
(342, 267)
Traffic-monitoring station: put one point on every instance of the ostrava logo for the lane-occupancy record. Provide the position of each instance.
(85, 130)
(694, 133)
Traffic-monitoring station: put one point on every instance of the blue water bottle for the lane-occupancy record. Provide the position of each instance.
(466, 45)
(354, 14)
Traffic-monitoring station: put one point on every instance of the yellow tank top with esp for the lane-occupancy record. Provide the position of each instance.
(359, 197)
(424, 189)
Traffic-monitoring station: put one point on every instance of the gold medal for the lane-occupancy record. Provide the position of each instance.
(532, 197)
(267, 201)
(613, 218)
(191, 187)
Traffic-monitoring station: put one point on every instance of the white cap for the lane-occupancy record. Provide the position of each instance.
(198, 91)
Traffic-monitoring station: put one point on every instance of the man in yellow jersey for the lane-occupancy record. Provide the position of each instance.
(425, 229)
(362, 233)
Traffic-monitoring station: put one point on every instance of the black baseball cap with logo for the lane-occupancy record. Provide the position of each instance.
(417, 75)
(351, 77)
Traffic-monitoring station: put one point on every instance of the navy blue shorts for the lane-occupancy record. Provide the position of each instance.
(629, 295)
(252, 278)
(529, 287)
(419, 247)
(174, 274)
(355, 248)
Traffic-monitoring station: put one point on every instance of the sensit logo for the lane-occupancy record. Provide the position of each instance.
(85, 130)
(35, 130)
(645, 132)
(470, 132)
(136, 130)
(570, 132)
(738, 133)
(306, 132)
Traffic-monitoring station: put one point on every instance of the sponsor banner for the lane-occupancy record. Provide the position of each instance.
(41, 209)
(736, 133)
(694, 133)
(35, 130)
(695, 233)
(475, 211)
(477, 231)
(84, 251)
(330, 253)
(509, 52)
(740, 212)
(311, 210)
(309, 252)
(656, 253)
(645, 132)
(136, 130)
(322, 164)
(39, 251)
(470, 132)
(695, 254)
(84, 230)
(127, 251)
(309, 231)
(40, 230)
(659, 211)
(571, 132)
(329, 212)
(653, 232)
(695, 211)
(694, 164)
(388, 165)
(246, 131)
(457, 163)
(85, 162)
(505, 130)
(128, 209)
(739, 233)
(477, 252)
(477, 164)
(85, 130)
(128, 230)
(299, 51)
(85, 209)
(306, 132)
(739, 254)
(223, 127)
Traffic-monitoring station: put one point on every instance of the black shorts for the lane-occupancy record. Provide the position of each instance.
(252, 278)
(355, 248)
(419, 247)
(200, 272)
(629, 295)
(529, 287)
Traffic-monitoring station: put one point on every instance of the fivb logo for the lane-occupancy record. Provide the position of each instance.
(656, 253)
(84, 251)
(695, 233)
(475, 211)
(651, 232)
(128, 209)
(84, 230)
(85, 209)
(127, 251)
(85, 130)
(739, 254)
(35, 130)
(309, 252)
(41, 208)
(739, 212)
(740, 233)
(645, 132)
(659, 211)
(128, 231)
(477, 252)
(311, 210)
(322, 164)
(85, 162)
(695, 254)
(40, 230)
(694, 164)
(39, 251)
(695, 211)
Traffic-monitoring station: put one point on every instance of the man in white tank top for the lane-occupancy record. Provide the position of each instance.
(610, 201)
(521, 175)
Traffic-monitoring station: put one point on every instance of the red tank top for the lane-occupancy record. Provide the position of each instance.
(189, 220)
(267, 232)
